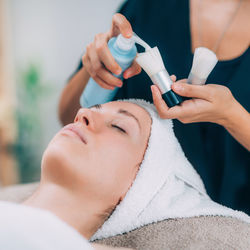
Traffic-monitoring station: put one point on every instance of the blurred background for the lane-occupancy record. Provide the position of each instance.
(41, 43)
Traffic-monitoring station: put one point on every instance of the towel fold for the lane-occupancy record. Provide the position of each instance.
(166, 186)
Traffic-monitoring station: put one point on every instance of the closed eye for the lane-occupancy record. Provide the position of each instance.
(119, 128)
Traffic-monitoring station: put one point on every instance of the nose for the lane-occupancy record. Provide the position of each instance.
(86, 117)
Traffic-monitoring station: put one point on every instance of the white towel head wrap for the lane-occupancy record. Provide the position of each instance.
(164, 178)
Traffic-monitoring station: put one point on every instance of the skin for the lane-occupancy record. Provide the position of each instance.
(211, 103)
(96, 57)
(214, 16)
(82, 182)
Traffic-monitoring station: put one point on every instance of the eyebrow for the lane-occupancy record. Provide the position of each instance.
(97, 106)
(127, 113)
(121, 111)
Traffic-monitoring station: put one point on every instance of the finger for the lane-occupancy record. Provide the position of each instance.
(109, 78)
(102, 83)
(95, 63)
(87, 65)
(120, 24)
(175, 112)
(93, 74)
(133, 70)
(184, 80)
(105, 55)
(99, 70)
(180, 111)
(173, 78)
(159, 103)
(190, 90)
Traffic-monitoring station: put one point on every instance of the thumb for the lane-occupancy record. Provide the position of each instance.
(173, 78)
(120, 24)
(133, 70)
(190, 90)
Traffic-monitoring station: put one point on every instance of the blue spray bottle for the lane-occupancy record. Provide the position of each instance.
(124, 52)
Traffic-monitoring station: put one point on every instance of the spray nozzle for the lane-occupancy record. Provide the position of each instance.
(138, 40)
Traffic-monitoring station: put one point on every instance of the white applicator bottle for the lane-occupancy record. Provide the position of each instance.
(152, 63)
(203, 63)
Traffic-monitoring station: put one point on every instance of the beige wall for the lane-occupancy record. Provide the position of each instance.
(8, 169)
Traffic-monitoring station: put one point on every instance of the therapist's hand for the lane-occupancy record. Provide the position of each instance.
(100, 63)
(210, 103)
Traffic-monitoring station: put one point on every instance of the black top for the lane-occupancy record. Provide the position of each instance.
(224, 165)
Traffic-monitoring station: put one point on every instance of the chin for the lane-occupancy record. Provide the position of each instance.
(58, 164)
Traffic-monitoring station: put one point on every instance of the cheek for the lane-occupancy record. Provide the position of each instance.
(118, 150)
(117, 162)
(105, 167)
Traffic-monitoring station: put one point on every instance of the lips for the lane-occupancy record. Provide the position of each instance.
(77, 131)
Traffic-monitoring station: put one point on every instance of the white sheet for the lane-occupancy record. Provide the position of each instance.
(26, 228)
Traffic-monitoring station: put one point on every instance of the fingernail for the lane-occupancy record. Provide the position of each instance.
(129, 34)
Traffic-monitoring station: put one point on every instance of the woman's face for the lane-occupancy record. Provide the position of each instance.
(100, 153)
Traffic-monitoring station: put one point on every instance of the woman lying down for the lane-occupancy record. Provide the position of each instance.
(116, 168)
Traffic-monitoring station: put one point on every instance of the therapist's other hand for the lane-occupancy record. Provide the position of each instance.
(100, 63)
(210, 103)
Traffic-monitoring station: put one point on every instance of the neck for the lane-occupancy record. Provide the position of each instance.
(82, 215)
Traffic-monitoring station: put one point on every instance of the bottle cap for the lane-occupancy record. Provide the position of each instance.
(124, 43)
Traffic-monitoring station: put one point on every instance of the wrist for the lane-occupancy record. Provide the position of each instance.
(232, 115)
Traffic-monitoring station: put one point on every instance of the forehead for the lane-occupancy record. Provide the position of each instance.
(141, 114)
(135, 109)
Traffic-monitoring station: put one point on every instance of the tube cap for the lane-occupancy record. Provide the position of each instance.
(171, 98)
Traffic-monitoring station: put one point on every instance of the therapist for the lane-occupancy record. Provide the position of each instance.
(213, 128)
